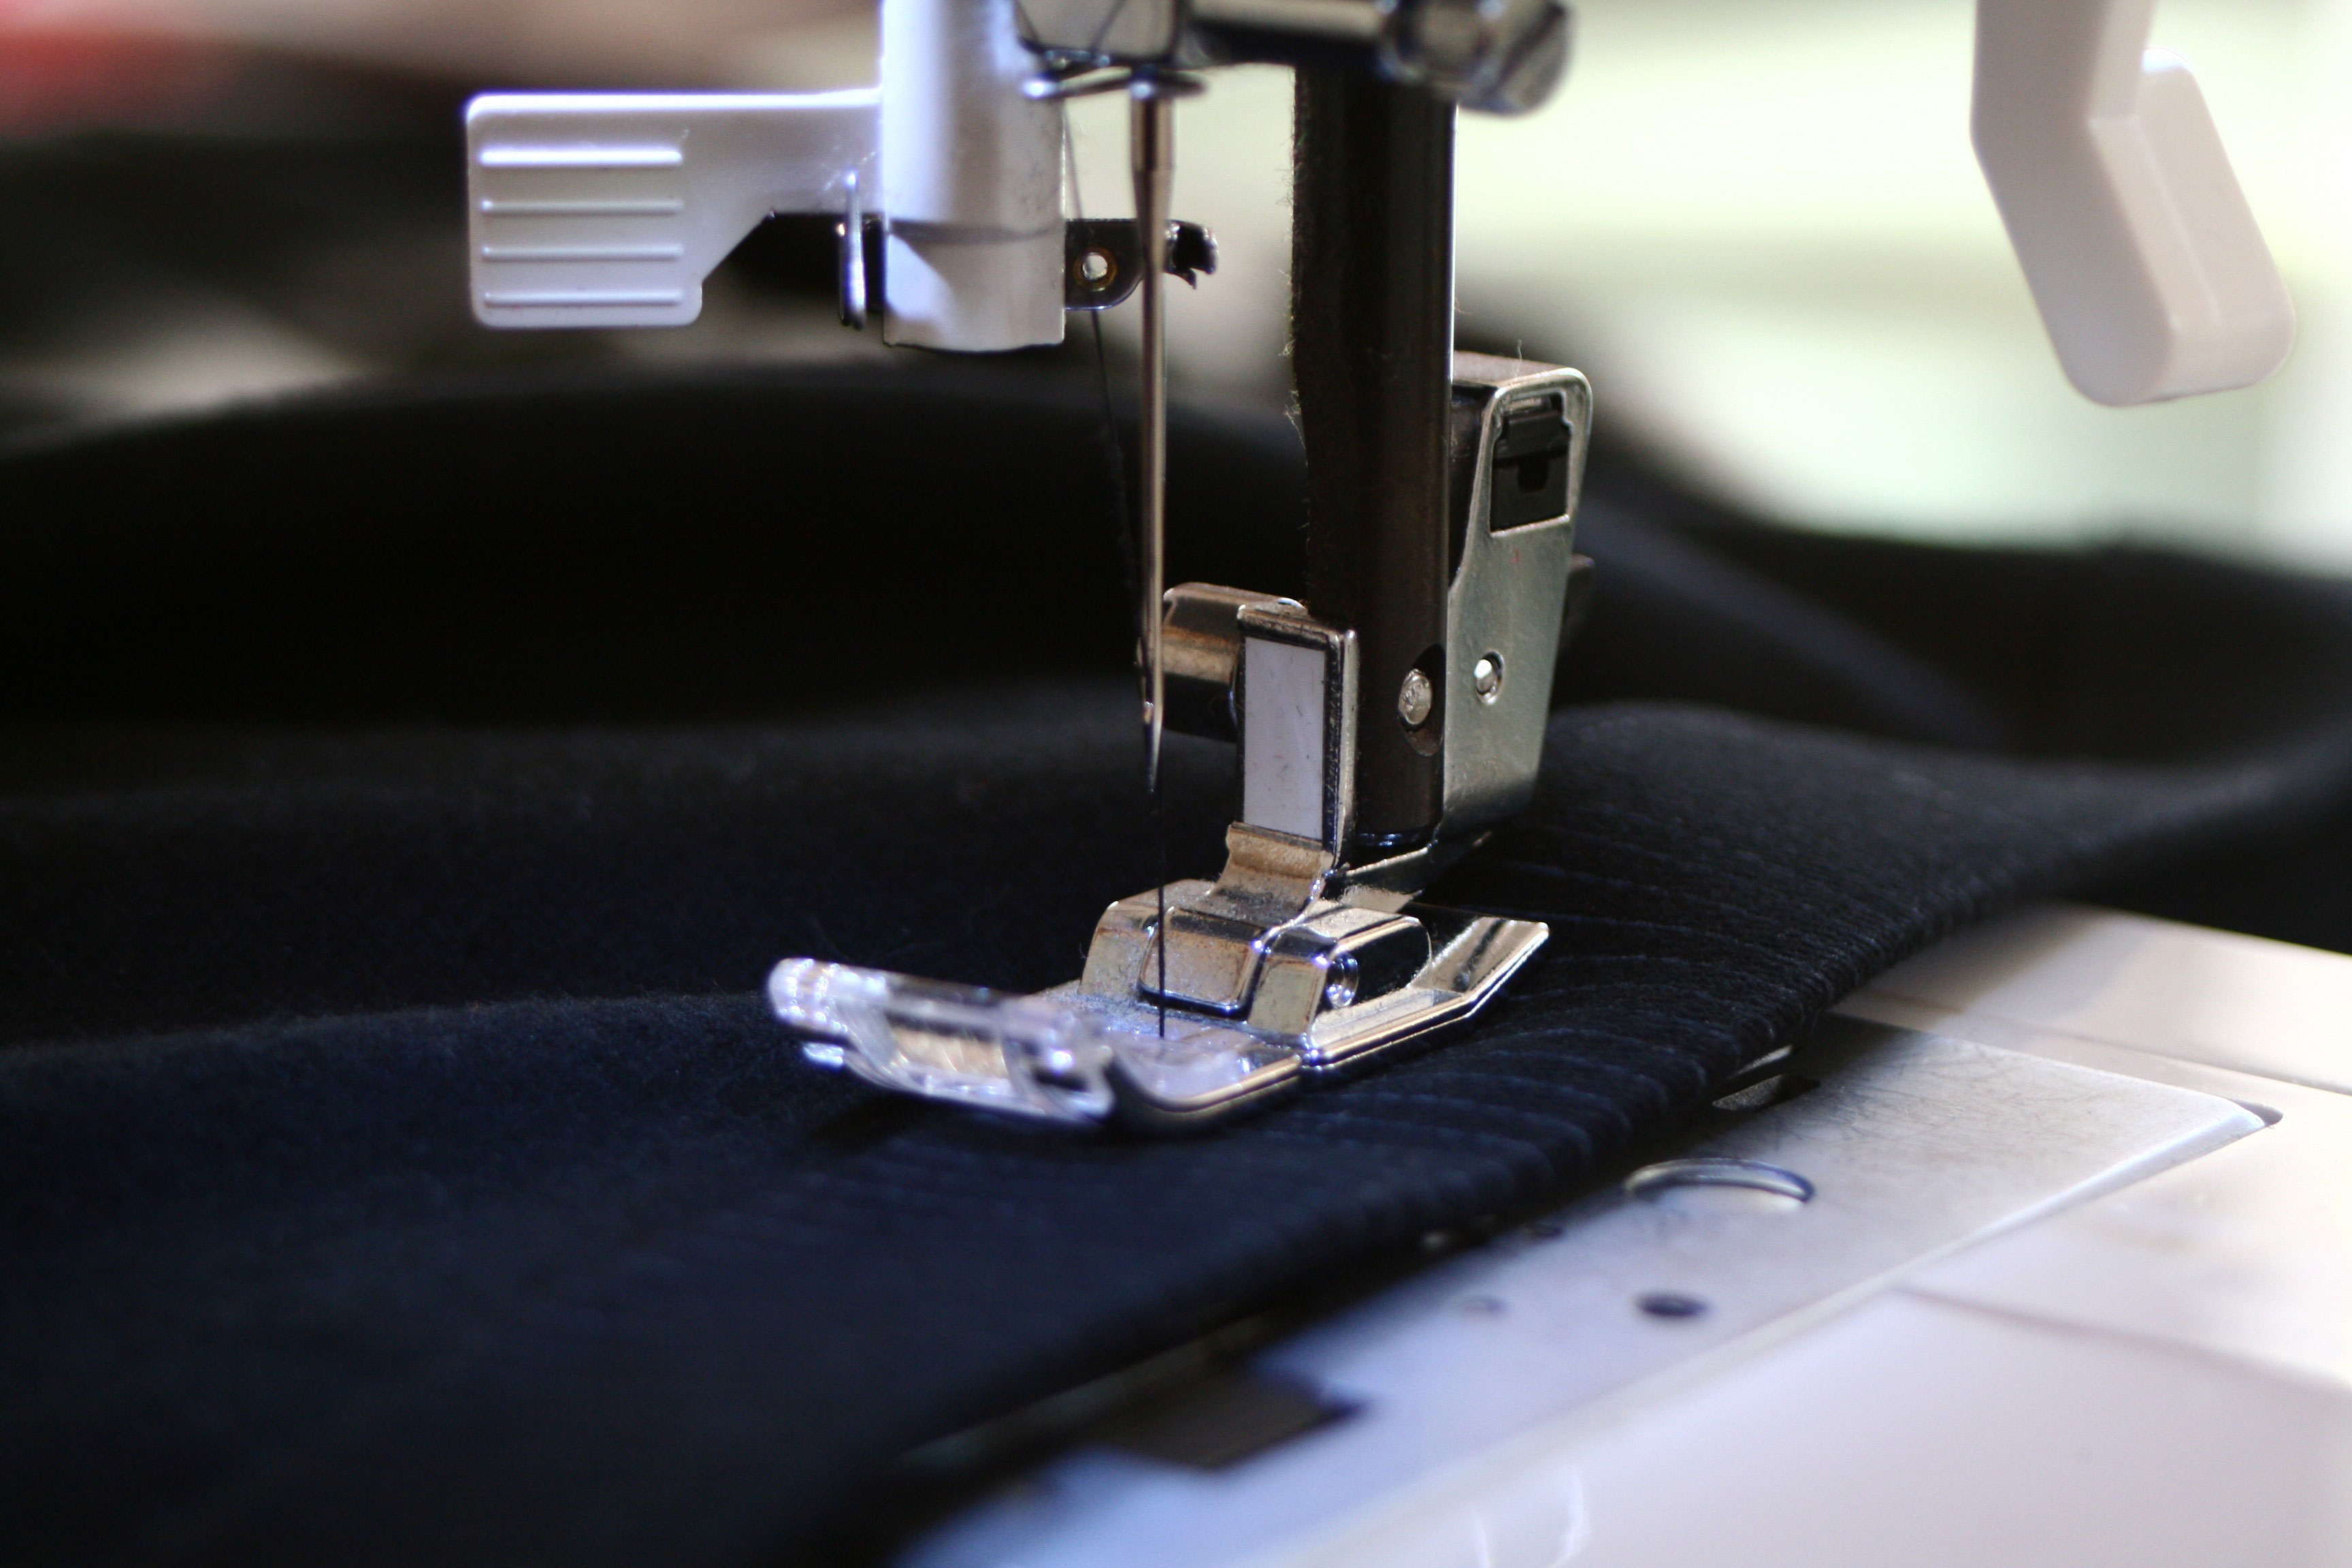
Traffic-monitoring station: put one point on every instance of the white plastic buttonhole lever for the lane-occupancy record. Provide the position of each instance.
(2141, 249)
(609, 209)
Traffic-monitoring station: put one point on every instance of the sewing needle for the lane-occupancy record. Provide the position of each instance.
(1151, 135)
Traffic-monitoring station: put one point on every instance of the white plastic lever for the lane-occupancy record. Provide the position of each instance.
(609, 209)
(2142, 254)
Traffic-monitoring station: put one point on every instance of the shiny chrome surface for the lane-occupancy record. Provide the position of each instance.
(1217, 935)
(850, 235)
(1082, 1056)
(1508, 594)
(1416, 698)
(1506, 604)
(1715, 1174)
(1201, 647)
(1285, 624)
(1472, 958)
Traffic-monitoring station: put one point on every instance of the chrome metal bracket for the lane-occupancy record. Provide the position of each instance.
(1103, 260)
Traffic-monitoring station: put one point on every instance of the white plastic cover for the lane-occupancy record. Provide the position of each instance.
(2143, 256)
(972, 179)
(609, 209)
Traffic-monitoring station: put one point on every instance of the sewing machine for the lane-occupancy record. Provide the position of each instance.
(1385, 726)
(1785, 1296)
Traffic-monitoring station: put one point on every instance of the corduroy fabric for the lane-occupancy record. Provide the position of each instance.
(396, 1168)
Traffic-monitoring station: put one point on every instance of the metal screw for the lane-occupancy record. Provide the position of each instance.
(1340, 989)
(1486, 677)
(1415, 697)
(1058, 1066)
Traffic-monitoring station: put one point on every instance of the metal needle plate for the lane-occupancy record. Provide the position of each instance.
(1911, 1146)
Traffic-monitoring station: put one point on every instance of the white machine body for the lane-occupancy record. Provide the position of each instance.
(971, 181)
(609, 209)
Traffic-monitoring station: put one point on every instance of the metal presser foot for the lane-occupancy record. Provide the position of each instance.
(1301, 959)
(1076, 1055)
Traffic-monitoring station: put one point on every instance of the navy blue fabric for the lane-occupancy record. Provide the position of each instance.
(621, 1281)
(396, 1165)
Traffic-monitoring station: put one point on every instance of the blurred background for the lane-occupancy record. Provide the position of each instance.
(1757, 224)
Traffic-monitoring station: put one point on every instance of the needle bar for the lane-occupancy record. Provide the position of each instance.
(1152, 142)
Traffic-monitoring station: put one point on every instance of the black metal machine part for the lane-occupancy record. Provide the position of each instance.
(1371, 347)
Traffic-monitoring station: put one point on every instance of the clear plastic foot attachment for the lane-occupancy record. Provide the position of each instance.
(1052, 1056)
